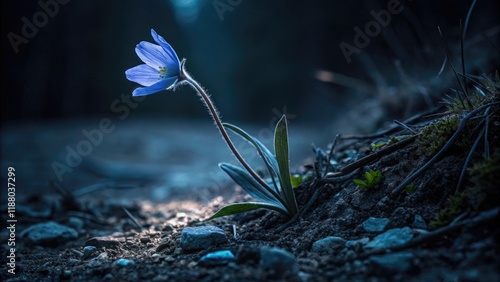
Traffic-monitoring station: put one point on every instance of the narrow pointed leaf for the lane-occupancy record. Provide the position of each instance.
(369, 176)
(281, 150)
(266, 155)
(244, 207)
(360, 183)
(250, 185)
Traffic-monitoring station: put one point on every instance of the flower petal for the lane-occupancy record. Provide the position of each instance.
(143, 74)
(157, 87)
(166, 47)
(152, 54)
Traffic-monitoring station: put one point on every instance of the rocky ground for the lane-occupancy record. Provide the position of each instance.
(109, 223)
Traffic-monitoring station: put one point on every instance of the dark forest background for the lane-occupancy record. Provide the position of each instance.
(254, 57)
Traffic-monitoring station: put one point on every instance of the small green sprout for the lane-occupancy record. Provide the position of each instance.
(393, 140)
(372, 179)
(296, 179)
(409, 188)
(377, 146)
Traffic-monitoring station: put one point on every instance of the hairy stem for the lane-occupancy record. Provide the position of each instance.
(184, 76)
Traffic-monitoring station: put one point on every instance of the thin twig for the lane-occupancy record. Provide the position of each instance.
(373, 157)
(462, 38)
(134, 220)
(391, 128)
(486, 142)
(453, 68)
(404, 126)
(467, 160)
(332, 149)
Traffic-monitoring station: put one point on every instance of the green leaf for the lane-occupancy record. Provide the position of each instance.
(296, 180)
(409, 188)
(251, 186)
(266, 155)
(242, 207)
(376, 177)
(369, 176)
(281, 150)
(360, 183)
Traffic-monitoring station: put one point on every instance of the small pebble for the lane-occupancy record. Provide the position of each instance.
(124, 262)
(198, 238)
(88, 251)
(391, 238)
(67, 274)
(217, 258)
(352, 244)
(76, 223)
(328, 245)
(419, 223)
(102, 256)
(375, 225)
(277, 262)
(108, 277)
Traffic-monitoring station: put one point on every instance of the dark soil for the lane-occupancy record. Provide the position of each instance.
(467, 252)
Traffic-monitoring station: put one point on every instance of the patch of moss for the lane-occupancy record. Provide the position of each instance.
(376, 146)
(434, 136)
(485, 182)
(482, 193)
(456, 206)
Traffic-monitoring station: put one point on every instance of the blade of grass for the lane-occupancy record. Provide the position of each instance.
(281, 150)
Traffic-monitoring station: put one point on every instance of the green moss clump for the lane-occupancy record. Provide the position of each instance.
(481, 194)
(485, 182)
(376, 146)
(456, 205)
(434, 136)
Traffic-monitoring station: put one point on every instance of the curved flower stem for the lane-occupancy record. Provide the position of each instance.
(184, 76)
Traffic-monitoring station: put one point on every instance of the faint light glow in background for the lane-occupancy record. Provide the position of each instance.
(186, 11)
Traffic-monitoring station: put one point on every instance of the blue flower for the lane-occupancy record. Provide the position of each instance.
(161, 69)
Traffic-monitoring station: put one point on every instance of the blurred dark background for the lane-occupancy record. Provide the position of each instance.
(252, 56)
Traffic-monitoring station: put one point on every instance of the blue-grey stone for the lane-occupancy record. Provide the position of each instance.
(278, 263)
(391, 238)
(392, 263)
(88, 251)
(419, 223)
(124, 262)
(328, 244)
(198, 238)
(48, 234)
(217, 258)
(355, 243)
(375, 225)
(75, 223)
